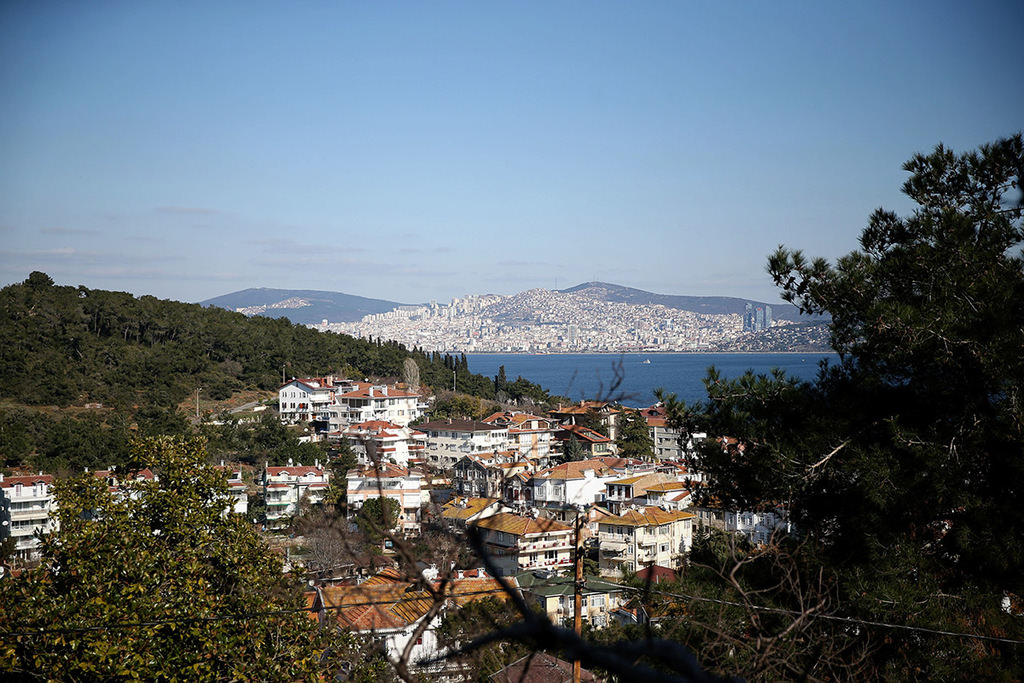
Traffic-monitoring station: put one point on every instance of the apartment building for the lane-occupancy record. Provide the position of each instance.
(382, 441)
(387, 480)
(531, 435)
(27, 505)
(449, 440)
(518, 543)
(309, 399)
(640, 538)
(364, 402)
(287, 489)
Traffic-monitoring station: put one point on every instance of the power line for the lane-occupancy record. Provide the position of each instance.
(831, 617)
(242, 616)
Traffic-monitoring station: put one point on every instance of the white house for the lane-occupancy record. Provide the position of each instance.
(449, 440)
(382, 441)
(530, 435)
(285, 489)
(758, 527)
(560, 490)
(309, 399)
(363, 402)
(237, 489)
(632, 490)
(26, 506)
(389, 481)
(641, 538)
(517, 543)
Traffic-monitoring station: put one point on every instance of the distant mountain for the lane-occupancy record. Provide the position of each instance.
(302, 306)
(307, 306)
(717, 305)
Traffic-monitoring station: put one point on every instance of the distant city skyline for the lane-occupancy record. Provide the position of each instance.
(414, 151)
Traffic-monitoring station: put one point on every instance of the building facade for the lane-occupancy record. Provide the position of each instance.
(27, 506)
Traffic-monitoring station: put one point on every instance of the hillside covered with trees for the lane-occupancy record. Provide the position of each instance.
(81, 369)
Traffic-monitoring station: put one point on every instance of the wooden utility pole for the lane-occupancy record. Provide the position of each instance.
(577, 598)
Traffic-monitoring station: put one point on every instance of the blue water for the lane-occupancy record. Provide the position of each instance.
(580, 375)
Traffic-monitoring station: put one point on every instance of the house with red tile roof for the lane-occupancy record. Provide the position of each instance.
(394, 609)
(309, 399)
(668, 441)
(606, 414)
(540, 667)
(27, 505)
(517, 543)
(594, 444)
(365, 401)
(382, 441)
(387, 480)
(286, 489)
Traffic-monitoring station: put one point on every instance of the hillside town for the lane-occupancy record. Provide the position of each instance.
(542, 492)
(541, 320)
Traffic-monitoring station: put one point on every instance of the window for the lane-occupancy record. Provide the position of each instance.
(597, 601)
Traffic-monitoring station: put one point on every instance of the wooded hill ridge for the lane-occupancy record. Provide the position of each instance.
(65, 345)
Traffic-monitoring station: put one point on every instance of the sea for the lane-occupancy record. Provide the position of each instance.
(588, 375)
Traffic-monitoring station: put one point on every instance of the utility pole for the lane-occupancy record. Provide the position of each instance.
(577, 598)
(198, 389)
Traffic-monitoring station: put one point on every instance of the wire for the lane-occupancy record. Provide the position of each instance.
(401, 600)
(831, 617)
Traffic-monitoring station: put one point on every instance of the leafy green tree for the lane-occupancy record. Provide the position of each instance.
(342, 459)
(159, 583)
(634, 436)
(474, 620)
(901, 464)
(378, 517)
(573, 450)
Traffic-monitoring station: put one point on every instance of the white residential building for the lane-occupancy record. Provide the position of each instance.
(237, 489)
(621, 493)
(449, 440)
(389, 481)
(531, 435)
(382, 441)
(518, 543)
(758, 527)
(285, 489)
(364, 402)
(26, 506)
(670, 496)
(309, 399)
(642, 538)
(560, 490)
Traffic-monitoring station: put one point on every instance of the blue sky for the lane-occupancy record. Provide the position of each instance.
(424, 150)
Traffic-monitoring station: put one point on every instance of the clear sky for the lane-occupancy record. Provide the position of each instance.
(425, 150)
